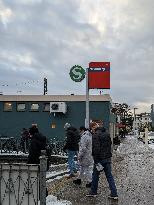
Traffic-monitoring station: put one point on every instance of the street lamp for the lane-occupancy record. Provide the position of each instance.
(135, 108)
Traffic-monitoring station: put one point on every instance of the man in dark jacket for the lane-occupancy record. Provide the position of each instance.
(38, 143)
(101, 151)
(71, 146)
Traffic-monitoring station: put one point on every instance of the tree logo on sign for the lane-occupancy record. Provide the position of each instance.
(77, 73)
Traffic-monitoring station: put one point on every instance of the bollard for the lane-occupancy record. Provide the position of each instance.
(146, 136)
(43, 168)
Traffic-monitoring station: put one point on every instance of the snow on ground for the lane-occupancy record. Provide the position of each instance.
(133, 169)
(52, 200)
(138, 181)
(54, 173)
(133, 146)
(2, 152)
(61, 156)
(57, 165)
(56, 178)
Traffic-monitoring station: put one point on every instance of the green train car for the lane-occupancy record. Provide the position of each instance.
(51, 112)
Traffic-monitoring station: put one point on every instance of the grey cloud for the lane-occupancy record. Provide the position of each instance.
(46, 38)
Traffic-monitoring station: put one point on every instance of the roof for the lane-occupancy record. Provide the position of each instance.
(55, 98)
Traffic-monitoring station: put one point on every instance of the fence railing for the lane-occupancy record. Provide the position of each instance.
(23, 184)
(9, 145)
(16, 146)
(57, 147)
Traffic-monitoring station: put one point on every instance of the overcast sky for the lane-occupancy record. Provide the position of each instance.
(45, 38)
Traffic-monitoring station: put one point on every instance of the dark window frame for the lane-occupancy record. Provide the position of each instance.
(53, 125)
(34, 110)
(44, 104)
(4, 108)
(17, 103)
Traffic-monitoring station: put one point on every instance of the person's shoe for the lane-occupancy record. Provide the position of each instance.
(113, 197)
(77, 181)
(88, 185)
(91, 195)
(70, 176)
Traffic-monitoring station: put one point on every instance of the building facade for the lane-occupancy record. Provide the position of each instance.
(142, 120)
(51, 112)
(152, 115)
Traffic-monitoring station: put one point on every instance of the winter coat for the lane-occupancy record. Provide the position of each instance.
(101, 145)
(85, 149)
(25, 135)
(72, 139)
(38, 143)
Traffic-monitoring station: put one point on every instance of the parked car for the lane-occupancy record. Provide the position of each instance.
(151, 138)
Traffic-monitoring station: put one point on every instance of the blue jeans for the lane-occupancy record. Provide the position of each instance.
(106, 163)
(71, 162)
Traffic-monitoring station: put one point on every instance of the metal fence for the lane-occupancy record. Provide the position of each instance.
(9, 145)
(57, 147)
(16, 146)
(23, 184)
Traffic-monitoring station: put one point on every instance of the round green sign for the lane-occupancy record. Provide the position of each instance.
(77, 73)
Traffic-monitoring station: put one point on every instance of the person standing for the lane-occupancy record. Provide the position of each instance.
(72, 147)
(38, 143)
(25, 140)
(101, 151)
(85, 158)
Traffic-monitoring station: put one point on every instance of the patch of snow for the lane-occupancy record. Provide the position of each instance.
(132, 145)
(52, 200)
(56, 178)
(50, 174)
(13, 153)
(61, 156)
(57, 165)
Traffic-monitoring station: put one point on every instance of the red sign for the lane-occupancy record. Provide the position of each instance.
(99, 75)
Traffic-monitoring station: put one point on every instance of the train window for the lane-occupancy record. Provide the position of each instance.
(7, 106)
(46, 107)
(21, 107)
(34, 107)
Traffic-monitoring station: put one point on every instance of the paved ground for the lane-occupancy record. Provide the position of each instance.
(133, 169)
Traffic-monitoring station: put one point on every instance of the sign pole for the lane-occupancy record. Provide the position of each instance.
(146, 136)
(87, 101)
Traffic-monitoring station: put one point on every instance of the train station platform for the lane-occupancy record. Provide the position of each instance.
(133, 170)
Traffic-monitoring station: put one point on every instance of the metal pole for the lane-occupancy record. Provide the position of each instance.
(87, 101)
(43, 168)
(134, 120)
(146, 136)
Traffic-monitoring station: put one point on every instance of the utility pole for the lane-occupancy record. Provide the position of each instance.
(135, 108)
(87, 101)
(146, 136)
(45, 86)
